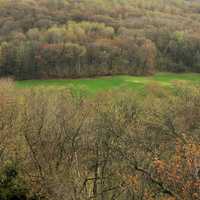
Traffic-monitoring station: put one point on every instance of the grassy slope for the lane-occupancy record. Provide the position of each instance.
(106, 83)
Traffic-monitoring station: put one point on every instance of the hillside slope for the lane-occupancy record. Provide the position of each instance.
(72, 38)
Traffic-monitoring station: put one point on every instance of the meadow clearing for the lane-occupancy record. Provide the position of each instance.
(99, 84)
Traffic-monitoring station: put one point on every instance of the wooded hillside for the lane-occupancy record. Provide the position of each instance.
(73, 38)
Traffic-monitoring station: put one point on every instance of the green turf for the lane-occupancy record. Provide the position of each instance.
(95, 85)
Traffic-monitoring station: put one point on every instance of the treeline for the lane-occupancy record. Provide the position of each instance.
(72, 38)
(58, 145)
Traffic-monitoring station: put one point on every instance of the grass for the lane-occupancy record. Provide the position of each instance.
(95, 85)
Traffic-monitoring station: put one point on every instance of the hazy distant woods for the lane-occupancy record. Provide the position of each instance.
(72, 38)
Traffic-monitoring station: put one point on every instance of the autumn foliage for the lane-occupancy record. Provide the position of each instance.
(65, 38)
(62, 145)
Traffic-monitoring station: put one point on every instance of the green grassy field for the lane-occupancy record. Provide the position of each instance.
(94, 85)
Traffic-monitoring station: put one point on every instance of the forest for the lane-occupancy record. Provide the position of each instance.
(56, 144)
(99, 100)
(84, 38)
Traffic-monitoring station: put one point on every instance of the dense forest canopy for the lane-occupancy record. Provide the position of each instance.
(64, 142)
(55, 144)
(73, 38)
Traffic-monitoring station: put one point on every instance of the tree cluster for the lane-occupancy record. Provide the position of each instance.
(112, 147)
(72, 38)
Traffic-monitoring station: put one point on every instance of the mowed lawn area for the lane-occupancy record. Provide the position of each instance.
(94, 85)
